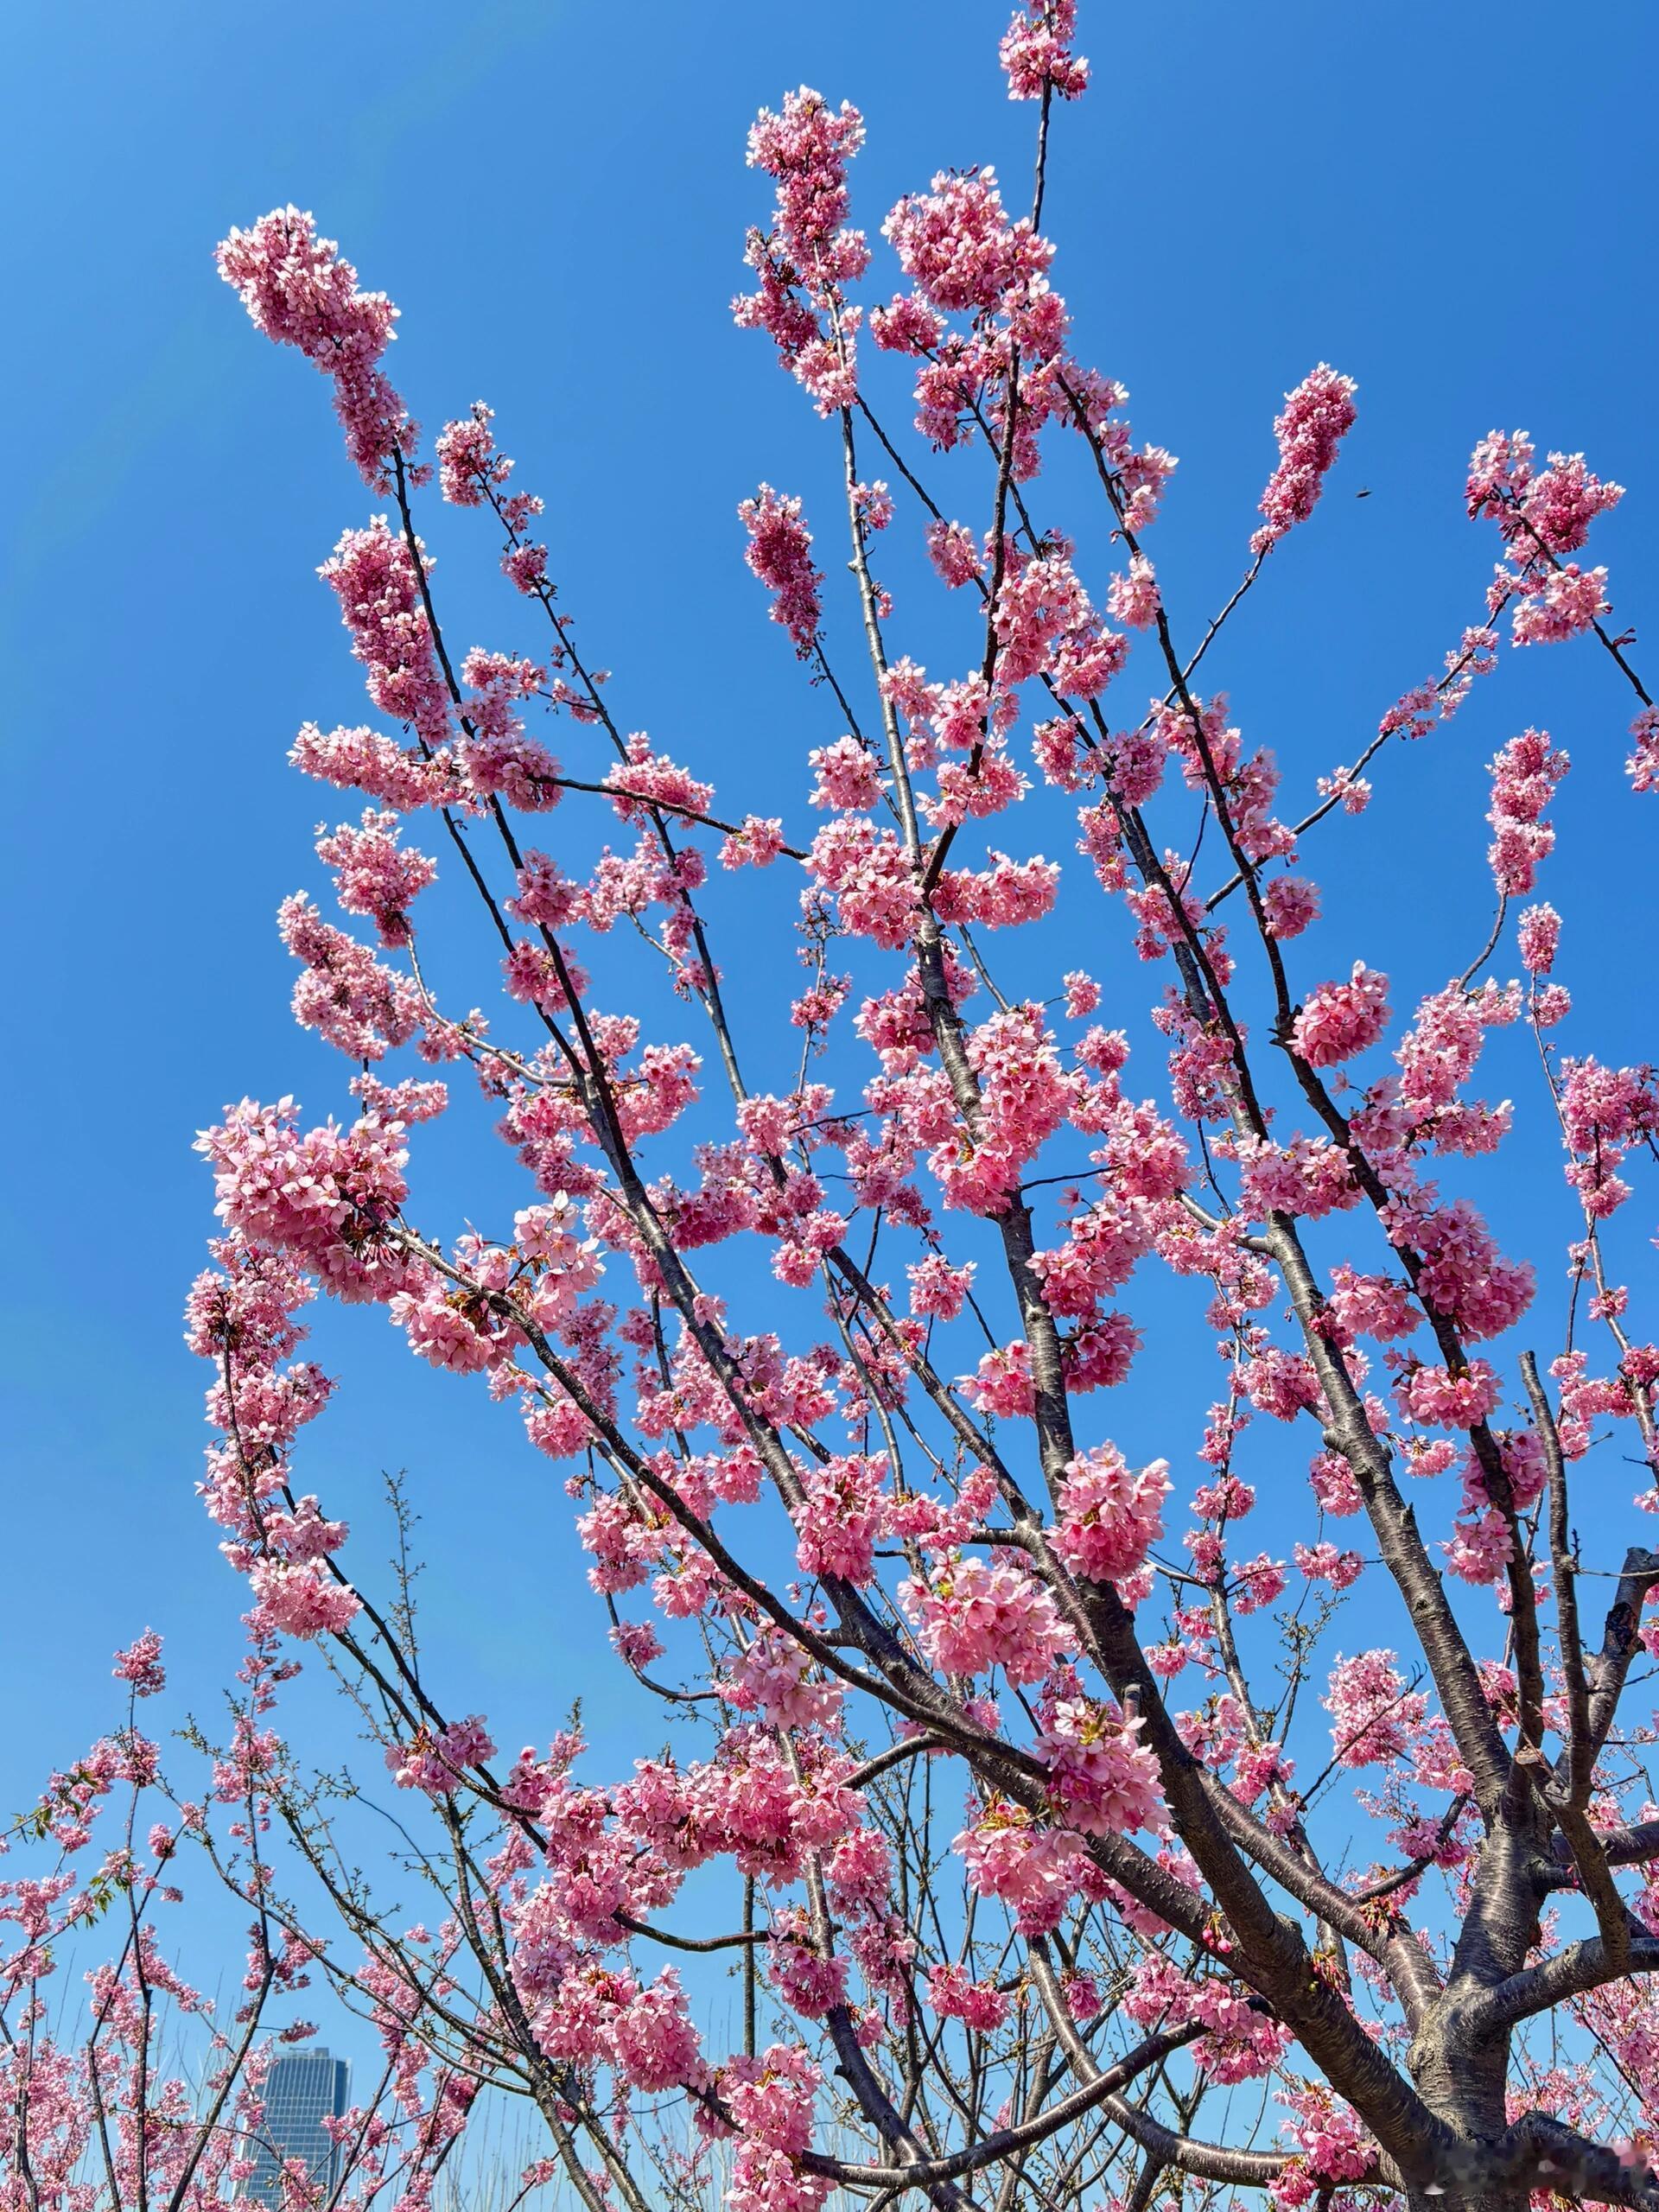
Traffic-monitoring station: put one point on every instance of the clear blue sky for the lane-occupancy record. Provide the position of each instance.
(1453, 205)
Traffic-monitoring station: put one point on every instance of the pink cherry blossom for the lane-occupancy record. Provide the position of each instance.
(954, 552)
(1642, 766)
(1524, 775)
(1105, 1782)
(140, 1665)
(1110, 1515)
(1133, 599)
(1373, 1709)
(958, 246)
(977, 2005)
(781, 553)
(1036, 51)
(972, 1615)
(1338, 1020)
(303, 1600)
(1540, 935)
(299, 290)
(1316, 417)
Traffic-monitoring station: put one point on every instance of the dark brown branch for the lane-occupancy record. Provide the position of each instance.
(1577, 1968)
(1003, 2142)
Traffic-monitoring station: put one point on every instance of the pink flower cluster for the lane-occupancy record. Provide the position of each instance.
(781, 553)
(372, 876)
(319, 1196)
(300, 292)
(301, 1598)
(1338, 1020)
(435, 1761)
(1374, 1713)
(1444, 1397)
(807, 148)
(971, 1615)
(770, 2098)
(810, 255)
(140, 1665)
(1241, 2043)
(372, 574)
(1034, 1869)
(1110, 1514)
(1315, 418)
(1642, 766)
(362, 1007)
(1539, 936)
(1524, 776)
(1036, 51)
(1606, 1113)
(1104, 1780)
(1025, 1095)
(1330, 2135)
(840, 1516)
(978, 2004)
(957, 246)
(1435, 700)
(1541, 517)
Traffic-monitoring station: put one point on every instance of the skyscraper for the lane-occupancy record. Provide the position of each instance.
(304, 2089)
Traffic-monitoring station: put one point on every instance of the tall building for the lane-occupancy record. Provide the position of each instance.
(304, 2088)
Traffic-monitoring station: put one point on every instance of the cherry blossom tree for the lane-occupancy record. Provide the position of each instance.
(141, 2092)
(1074, 1849)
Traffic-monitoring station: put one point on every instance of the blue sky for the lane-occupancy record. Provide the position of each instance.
(1450, 204)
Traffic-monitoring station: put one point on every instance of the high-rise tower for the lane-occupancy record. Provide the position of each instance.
(303, 2089)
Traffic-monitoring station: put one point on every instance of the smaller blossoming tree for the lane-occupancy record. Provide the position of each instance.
(121, 2084)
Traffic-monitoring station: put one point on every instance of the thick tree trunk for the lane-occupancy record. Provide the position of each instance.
(1471, 2200)
(1465, 2085)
